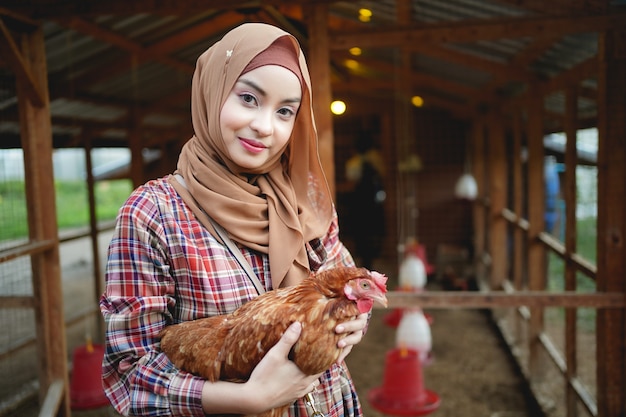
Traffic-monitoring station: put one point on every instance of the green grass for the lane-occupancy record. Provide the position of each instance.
(71, 205)
(586, 232)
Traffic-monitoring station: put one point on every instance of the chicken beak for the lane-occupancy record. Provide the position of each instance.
(380, 299)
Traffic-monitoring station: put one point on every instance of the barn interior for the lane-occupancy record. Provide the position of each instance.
(497, 91)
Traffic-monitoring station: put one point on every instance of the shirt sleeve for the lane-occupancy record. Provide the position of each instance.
(137, 377)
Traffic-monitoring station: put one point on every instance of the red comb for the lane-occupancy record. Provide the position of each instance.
(380, 280)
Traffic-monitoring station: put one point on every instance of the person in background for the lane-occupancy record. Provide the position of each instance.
(365, 203)
(252, 171)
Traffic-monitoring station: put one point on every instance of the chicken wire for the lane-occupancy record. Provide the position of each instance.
(17, 338)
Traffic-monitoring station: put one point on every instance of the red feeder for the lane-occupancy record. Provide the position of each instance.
(86, 390)
(403, 392)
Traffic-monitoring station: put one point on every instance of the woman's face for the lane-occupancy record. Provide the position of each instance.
(259, 114)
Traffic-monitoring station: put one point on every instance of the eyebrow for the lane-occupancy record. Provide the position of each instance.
(261, 91)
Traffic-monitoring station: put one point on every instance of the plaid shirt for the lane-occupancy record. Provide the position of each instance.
(164, 267)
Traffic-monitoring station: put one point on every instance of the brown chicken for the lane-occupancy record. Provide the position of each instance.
(228, 347)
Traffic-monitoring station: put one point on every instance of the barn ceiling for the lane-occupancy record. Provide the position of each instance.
(121, 66)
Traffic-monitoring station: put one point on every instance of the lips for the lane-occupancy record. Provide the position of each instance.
(253, 146)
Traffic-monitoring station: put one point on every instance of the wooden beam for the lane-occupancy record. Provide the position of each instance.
(521, 62)
(558, 7)
(503, 299)
(586, 69)
(46, 10)
(534, 50)
(30, 248)
(22, 19)
(137, 55)
(421, 80)
(13, 57)
(499, 71)
(53, 399)
(472, 31)
(15, 301)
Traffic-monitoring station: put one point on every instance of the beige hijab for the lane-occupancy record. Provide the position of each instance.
(272, 210)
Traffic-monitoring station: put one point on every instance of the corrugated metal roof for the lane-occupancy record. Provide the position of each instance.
(107, 63)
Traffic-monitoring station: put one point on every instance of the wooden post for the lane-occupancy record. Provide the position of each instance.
(93, 227)
(478, 170)
(611, 249)
(319, 67)
(518, 202)
(36, 136)
(498, 198)
(569, 187)
(536, 224)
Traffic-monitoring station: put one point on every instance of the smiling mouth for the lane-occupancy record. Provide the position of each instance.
(252, 145)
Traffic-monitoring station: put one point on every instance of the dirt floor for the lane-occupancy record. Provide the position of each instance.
(470, 371)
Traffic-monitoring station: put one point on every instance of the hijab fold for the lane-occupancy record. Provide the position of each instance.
(276, 208)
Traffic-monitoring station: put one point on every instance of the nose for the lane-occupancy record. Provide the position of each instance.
(262, 122)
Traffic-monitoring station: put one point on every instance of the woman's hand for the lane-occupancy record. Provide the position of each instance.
(274, 382)
(279, 377)
(354, 331)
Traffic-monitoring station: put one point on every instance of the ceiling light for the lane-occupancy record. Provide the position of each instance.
(365, 15)
(352, 64)
(338, 107)
(417, 101)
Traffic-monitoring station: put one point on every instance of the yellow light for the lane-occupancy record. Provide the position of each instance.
(356, 51)
(352, 64)
(338, 107)
(365, 15)
(417, 101)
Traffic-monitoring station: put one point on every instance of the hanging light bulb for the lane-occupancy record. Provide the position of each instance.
(338, 107)
(466, 187)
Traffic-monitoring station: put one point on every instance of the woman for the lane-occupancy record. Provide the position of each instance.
(250, 174)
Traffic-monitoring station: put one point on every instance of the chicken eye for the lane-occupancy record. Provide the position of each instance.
(365, 285)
